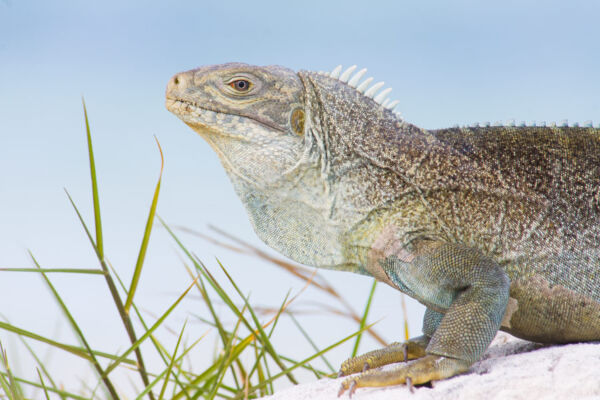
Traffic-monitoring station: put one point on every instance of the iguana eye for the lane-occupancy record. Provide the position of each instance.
(240, 85)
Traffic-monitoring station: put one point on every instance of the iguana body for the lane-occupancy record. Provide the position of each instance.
(489, 227)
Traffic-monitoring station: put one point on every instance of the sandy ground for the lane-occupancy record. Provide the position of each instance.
(511, 369)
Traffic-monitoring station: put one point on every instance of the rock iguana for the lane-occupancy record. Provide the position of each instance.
(490, 227)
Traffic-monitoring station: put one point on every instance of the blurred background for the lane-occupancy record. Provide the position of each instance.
(448, 62)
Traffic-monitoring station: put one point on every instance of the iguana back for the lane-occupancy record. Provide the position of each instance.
(543, 188)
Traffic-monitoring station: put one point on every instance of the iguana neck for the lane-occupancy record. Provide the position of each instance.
(297, 223)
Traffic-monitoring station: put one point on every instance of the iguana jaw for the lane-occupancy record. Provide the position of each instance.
(205, 120)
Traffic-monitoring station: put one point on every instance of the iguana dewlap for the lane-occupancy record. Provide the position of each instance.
(492, 227)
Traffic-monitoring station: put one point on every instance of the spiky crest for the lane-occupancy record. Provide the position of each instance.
(374, 91)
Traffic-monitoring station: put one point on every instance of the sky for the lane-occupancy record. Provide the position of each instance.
(448, 63)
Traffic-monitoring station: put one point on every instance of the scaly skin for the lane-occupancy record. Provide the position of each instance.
(489, 227)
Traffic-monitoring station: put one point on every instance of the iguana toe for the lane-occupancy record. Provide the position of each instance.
(395, 352)
(417, 372)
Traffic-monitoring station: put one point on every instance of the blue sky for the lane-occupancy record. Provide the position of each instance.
(448, 62)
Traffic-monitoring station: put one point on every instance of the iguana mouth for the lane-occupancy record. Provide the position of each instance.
(175, 106)
(183, 108)
(186, 110)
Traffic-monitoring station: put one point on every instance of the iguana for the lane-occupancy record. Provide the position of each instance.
(490, 227)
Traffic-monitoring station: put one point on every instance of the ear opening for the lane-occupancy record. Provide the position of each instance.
(297, 121)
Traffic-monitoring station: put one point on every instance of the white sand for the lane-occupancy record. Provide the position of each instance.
(511, 369)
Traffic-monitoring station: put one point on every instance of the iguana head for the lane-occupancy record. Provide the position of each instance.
(253, 117)
(288, 142)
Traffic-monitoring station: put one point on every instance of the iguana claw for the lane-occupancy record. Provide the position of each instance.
(411, 388)
(348, 384)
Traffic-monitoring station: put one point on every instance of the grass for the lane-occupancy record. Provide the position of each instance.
(245, 364)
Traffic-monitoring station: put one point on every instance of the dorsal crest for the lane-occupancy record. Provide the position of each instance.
(380, 95)
(533, 124)
(374, 91)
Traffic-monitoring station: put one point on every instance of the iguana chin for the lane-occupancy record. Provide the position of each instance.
(493, 227)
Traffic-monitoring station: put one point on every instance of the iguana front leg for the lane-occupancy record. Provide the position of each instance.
(466, 294)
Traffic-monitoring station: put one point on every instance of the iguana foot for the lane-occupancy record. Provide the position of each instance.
(395, 352)
(418, 372)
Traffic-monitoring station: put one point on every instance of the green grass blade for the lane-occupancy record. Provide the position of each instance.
(177, 376)
(78, 351)
(97, 219)
(363, 320)
(170, 367)
(145, 336)
(5, 387)
(259, 371)
(85, 228)
(37, 360)
(404, 317)
(260, 355)
(91, 271)
(43, 384)
(216, 320)
(107, 383)
(11, 387)
(149, 223)
(61, 393)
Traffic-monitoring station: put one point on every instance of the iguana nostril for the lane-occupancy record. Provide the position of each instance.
(176, 83)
